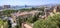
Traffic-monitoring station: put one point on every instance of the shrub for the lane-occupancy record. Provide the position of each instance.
(30, 20)
(1, 22)
(50, 22)
(45, 24)
(33, 18)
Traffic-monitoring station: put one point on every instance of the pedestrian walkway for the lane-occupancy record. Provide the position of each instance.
(27, 26)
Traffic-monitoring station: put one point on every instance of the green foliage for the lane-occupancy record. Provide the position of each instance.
(1, 22)
(50, 22)
(7, 12)
(9, 24)
(31, 19)
(25, 9)
(19, 22)
(55, 18)
(45, 24)
(41, 9)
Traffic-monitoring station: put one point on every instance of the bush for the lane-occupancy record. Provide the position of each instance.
(33, 18)
(25, 10)
(1, 22)
(30, 20)
(45, 24)
(50, 22)
(7, 12)
(55, 18)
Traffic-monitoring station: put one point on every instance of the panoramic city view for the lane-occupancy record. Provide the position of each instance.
(29, 13)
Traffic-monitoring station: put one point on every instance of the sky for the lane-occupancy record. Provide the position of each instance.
(28, 2)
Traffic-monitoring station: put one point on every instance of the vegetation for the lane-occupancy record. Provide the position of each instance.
(1, 22)
(19, 19)
(7, 12)
(19, 22)
(33, 18)
(25, 10)
(50, 22)
(41, 9)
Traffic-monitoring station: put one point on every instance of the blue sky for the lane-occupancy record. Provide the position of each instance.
(28, 2)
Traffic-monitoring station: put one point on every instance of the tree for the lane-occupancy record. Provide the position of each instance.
(33, 18)
(7, 12)
(30, 20)
(25, 10)
(20, 20)
(9, 24)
